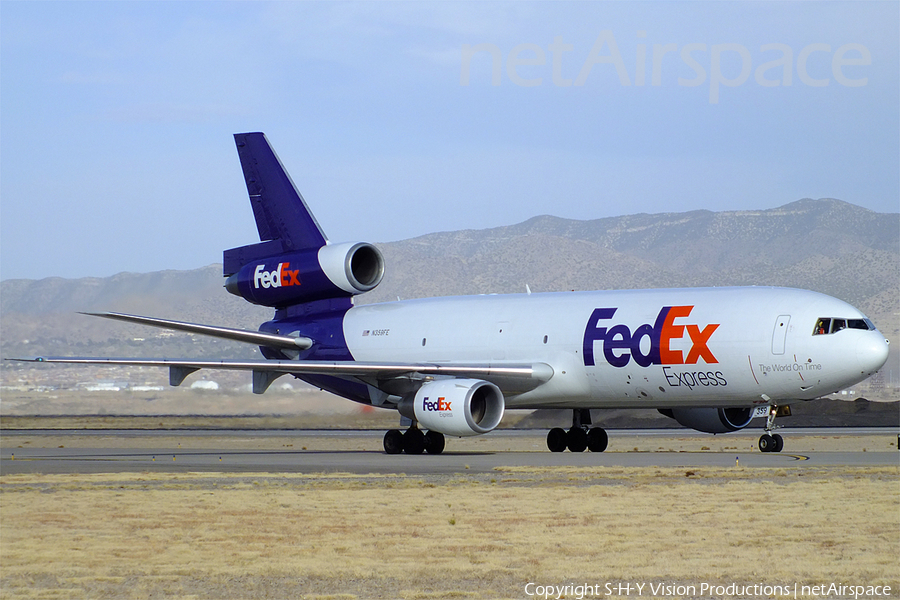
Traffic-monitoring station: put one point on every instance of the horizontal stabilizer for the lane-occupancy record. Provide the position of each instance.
(258, 338)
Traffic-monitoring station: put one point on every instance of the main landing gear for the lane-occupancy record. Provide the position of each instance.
(772, 442)
(413, 441)
(580, 437)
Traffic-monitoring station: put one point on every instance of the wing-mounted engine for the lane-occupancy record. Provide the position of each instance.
(711, 420)
(458, 407)
(332, 271)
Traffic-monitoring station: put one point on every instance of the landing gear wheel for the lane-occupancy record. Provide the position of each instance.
(393, 441)
(772, 442)
(597, 440)
(779, 442)
(556, 439)
(577, 439)
(434, 442)
(767, 443)
(414, 441)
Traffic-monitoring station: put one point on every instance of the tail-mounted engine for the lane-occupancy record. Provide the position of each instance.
(332, 271)
(460, 407)
(711, 420)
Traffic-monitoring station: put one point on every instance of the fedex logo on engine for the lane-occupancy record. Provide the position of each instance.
(282, 276)
(441, 405)
(620, 344)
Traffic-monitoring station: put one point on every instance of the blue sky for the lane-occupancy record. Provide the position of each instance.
(116, 117)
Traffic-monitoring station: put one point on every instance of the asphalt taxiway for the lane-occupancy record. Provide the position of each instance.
(94, 451)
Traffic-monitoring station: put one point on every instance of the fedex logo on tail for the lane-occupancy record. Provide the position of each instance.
(620, 344)
(282, 276)
(440, 405)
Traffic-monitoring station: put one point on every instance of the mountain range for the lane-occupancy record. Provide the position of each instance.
(824, 245)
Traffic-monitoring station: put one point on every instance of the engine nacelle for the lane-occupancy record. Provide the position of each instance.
(332, 271)
(711, 420)
(458, 407)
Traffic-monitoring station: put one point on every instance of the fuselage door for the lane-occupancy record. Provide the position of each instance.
(779, 334)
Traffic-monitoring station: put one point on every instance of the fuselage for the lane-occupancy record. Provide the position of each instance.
(635, 348)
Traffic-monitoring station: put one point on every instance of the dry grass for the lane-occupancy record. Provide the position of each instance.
(461, 536)
(337, 414)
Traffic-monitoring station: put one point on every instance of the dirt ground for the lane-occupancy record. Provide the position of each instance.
(488, 535)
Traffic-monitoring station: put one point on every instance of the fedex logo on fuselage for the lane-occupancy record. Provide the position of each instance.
(440, 405)
(282, 276)
(620, 344)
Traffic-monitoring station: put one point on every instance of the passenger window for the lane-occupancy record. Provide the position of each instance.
(822, 326)
(857, 324)
(837, 325)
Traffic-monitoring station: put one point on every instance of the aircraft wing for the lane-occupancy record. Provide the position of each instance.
(510, 378)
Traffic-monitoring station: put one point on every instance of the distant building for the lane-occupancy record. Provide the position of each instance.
(204, 384)
(103, 386)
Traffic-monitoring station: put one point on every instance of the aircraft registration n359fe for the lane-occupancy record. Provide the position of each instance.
(712, 359)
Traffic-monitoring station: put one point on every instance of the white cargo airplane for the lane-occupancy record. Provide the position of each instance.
(712, 359)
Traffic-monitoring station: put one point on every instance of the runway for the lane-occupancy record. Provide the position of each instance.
(359, 452)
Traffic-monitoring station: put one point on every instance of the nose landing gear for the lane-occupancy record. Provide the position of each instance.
(772, 442)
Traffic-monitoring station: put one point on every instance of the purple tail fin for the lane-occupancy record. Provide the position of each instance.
(284, 222)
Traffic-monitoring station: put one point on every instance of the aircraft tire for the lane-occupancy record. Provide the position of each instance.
(414, 441)
(597, 439)
(434, 442)
(766, 443)
(779, 443)
(556, 439)
(393, 442)
(577, 439)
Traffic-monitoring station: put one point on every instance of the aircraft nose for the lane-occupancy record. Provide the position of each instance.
(872, 352)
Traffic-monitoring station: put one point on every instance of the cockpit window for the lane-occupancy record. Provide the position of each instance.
(833, 325)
